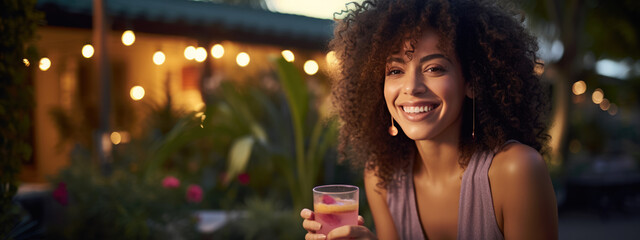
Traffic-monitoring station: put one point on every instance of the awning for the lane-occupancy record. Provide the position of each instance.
(204, 21)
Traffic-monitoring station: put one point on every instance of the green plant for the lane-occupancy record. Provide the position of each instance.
(244, 136)
(311, 143)
(18, 22)
(122, 205)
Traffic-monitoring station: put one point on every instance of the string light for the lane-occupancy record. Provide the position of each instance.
(311, 67)
(579, 87)
(597, 96)
(136, 93)
(243, 59)
(87, 51)
(26, 62)
(158, 58)
(613, 109)
(201, 54)
(45, 64)
(116, 138)
(288, 55)
(604, 105)
(190, 52)
(217, 51)
(128, 38)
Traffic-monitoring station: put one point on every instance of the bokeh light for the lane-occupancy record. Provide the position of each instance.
(331, 58)
(201, 54)
(128, 38)
(575, 146)
(613, 109)
(190, 53)
(597, 96)
(26, 62)
(137, 93)
(158, 58)
(217, 51)
(45, 64)
(604, 105)
(116, 138)
(87, 51)
(243, 59)
(311, 67)
(579, 87)
(288, 55)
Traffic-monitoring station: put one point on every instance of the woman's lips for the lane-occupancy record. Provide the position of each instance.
(418, 112)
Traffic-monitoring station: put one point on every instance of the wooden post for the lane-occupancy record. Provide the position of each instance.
(103, 76)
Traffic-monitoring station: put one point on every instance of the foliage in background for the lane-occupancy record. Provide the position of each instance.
(122, 205)
(588, 31)
(18, 22)
(251, 149)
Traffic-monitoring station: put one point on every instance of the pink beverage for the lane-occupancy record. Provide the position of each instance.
(335, 206)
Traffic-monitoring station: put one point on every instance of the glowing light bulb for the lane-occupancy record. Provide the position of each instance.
(136, 93)
(217, 51)
(613, 109)
(243, 59)
(288, 55)
(190, 52)
(116, 138)
(201, 54)
(331, 58)
(597, 96)
(128, 38)
(26, 62)
(87, 51)
(605, 104)
(311, 67)
(159, 58)
(45, 64)
(579, 87)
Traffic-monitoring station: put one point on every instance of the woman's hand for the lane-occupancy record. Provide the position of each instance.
(344, 232)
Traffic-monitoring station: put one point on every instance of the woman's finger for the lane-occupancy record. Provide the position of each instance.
(360, 220)
(313, 236)
(307, 214)
(311, 225)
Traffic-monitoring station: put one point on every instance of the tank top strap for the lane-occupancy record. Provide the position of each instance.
(476, 216)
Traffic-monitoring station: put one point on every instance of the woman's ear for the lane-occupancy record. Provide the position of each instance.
(469, 90)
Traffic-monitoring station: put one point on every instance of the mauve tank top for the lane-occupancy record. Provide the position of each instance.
(476, 217)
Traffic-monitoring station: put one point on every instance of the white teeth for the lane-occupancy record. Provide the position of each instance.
(417, 109)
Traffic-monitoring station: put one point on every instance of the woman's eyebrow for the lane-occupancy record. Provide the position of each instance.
(395, 59)
(422, 60)
(433, 56)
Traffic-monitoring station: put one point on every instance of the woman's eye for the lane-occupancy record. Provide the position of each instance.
(434, 69)
(393, 72)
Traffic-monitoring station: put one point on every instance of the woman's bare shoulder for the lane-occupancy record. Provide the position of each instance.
(517, 161)
(524, 199)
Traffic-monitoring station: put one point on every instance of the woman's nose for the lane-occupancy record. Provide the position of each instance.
(414, 84)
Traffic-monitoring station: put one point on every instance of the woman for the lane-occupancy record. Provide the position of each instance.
(440, 103)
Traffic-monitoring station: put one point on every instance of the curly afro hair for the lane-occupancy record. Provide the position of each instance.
(497, 55)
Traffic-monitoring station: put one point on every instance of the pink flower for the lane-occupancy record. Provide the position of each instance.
(243, 178)
(61, 194)
(194, 193)
(170, 182)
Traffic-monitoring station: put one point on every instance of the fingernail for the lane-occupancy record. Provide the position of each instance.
(321, 237)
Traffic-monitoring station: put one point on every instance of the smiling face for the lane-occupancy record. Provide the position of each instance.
(424, 93)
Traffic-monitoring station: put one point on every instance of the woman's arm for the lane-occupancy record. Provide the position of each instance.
(377, 197)
(524, 199)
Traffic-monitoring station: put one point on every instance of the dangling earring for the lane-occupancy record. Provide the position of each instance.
(393, 131)
(473, 107)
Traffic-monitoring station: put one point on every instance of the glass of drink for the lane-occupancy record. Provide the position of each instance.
(335, 206)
